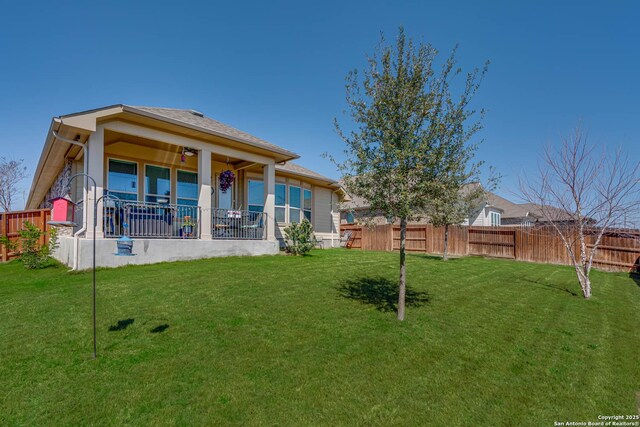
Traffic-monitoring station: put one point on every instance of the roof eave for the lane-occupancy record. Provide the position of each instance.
(287, 155)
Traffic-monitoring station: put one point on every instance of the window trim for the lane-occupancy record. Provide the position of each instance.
(170, 195)
(178, 170)
(286, 200)
(249, 180)
(289, 203)
(137, 192)
(310, 210)
(497, 216)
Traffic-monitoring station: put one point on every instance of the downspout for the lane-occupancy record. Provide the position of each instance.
(332, 223)
(83, 229)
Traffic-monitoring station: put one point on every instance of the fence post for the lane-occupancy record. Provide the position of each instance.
(3, 232)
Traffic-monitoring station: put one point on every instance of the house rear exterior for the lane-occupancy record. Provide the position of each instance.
(158, 174)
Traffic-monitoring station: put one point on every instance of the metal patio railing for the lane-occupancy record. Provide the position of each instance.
(233, 224)
(150, 220)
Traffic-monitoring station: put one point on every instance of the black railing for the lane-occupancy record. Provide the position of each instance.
(235, 224)
(150, 220)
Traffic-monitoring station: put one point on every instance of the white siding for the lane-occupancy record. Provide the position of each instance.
(478, 218)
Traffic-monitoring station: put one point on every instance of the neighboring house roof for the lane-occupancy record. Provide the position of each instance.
(353, 202)
(296, 169)
(557, 213)
(509, 209)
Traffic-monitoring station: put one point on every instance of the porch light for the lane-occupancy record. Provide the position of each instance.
(188, 152)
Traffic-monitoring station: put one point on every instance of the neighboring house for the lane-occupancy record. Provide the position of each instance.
(492, 211)
(157, 174)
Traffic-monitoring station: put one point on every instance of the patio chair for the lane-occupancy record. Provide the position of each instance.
(252, 225)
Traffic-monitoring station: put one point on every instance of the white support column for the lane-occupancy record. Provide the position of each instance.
(95, 170)
(269, 179)
(204, 193)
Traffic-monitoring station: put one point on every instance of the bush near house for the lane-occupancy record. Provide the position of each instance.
(299, 238)
(32, 252)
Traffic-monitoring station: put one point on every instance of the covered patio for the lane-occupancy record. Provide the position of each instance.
(182, 185)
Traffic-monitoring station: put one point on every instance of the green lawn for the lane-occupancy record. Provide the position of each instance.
(314, 341)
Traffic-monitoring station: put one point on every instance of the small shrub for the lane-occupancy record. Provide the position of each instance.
(299, 238)
(32, 254)
(11, 245)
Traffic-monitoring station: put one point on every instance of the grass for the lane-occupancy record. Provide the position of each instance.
(314, 341)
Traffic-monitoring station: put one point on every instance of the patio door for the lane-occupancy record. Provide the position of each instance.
(222, 200)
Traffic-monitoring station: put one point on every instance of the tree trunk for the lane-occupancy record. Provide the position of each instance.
(403, 276)
(585, 282)
(446, 242)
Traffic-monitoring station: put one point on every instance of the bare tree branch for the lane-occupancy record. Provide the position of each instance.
(12, 172)
(582, 195)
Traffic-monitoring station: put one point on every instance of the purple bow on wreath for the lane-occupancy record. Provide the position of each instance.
(226, 180)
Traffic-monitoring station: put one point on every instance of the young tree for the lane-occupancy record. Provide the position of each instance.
(403, 117)
(454, 204)
(11, 173)
(582, 194)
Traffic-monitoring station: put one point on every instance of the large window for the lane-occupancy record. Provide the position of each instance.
(294, 204)
(187, 188)
(122, 179)
(281, 202)
(495, 219)
(307, 204)
(157, 184)
(256, 196)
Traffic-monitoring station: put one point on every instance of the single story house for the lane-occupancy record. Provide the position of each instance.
(492, 211)
(180, 184)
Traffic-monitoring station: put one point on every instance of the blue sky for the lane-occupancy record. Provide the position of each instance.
(276, 69)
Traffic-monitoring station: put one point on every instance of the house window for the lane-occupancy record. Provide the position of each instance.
(281, 202)
(294, 204)
(225, 200)
(122, 180)
(351, 219)
(187, 188)
(256, 196)
(495, 219)
(307, 204)
(157, 184)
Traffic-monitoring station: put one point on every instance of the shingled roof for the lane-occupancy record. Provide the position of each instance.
(296, 169)
(195, 118)
(509, 209)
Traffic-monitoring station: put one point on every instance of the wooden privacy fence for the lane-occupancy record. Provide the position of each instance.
(12, 222)
(618, 251)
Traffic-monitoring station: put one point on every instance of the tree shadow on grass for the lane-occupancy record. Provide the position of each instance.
(121, 325)
(635, 277)
(635, 274)
(553, 287)
(160, 328)
(380, 292)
